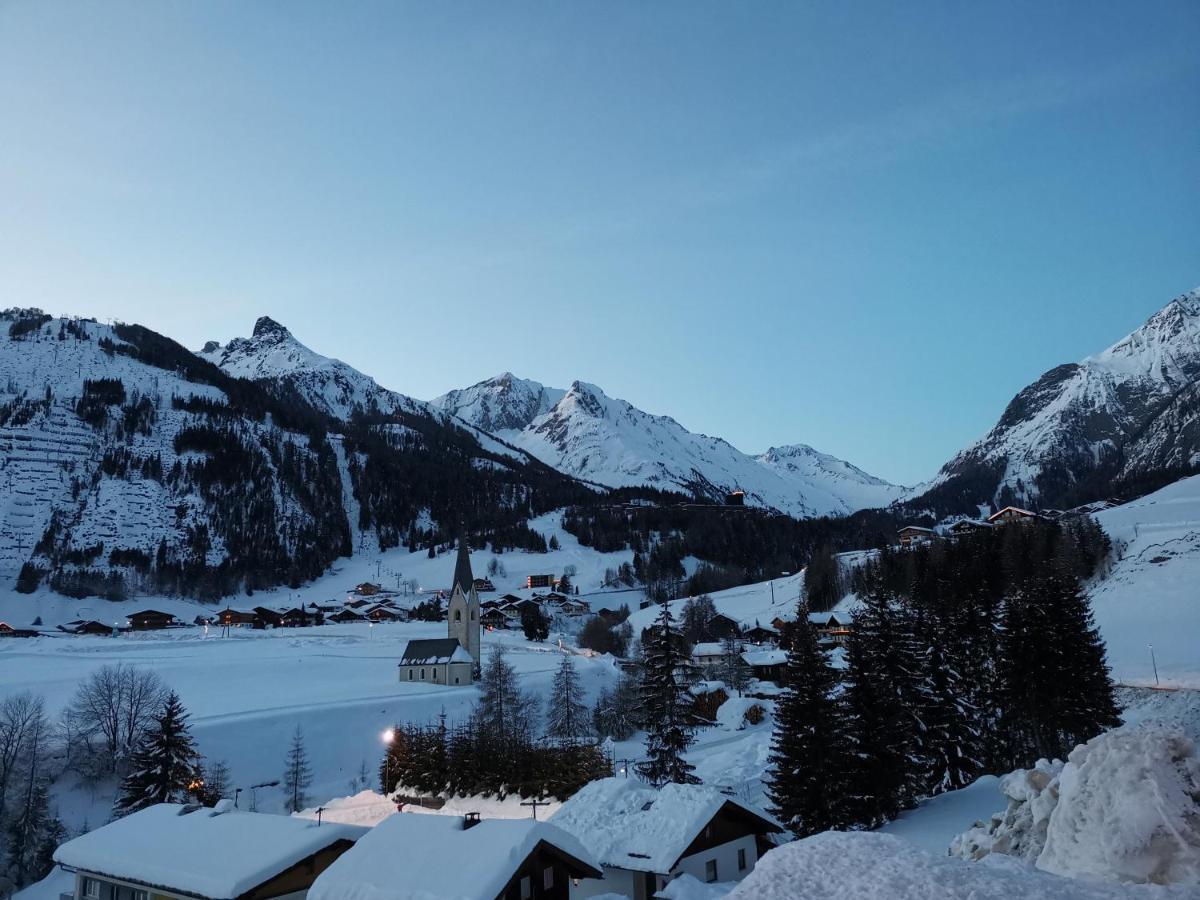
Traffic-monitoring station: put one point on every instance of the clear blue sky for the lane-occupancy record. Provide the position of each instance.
(861, 226)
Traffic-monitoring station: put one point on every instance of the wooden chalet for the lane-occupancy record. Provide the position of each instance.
(721, 626)
(735, 498)
(1011, 514)
(913, 535)
(969, 526)
(88, 626)
(484, 585)
(233, 618)
(384, 613)
(574, 607)
(760, 634)
(832, 628)
(265, 617)
(9, 631)
(347, 615)
(644, 838)
(174, 852)
(412, 855)
(493, 618)
(766, 663)
(367, 589)
(151, 620)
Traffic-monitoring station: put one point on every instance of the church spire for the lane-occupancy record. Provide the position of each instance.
(462, 568)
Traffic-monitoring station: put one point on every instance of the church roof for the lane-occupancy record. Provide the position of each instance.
(434, 652)
(462, 569)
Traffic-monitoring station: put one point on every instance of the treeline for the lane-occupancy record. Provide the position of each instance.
(404, 465)
(500, 750)
(738, 546)
(966, 657)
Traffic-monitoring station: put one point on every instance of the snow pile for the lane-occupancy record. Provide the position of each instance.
(866, 866)
(689, 887)
(1125, 807)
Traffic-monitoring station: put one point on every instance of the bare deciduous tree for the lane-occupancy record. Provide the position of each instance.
(109, 712)
(21, 718)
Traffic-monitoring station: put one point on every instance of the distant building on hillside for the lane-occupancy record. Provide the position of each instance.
(912, 535)
(539, 581)
(735, 498)
(969, 526)
(1011, 514)
(151, 619)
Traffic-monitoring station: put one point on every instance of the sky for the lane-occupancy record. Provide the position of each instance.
(859, 226)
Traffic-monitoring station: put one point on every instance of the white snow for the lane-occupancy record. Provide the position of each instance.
(1150, 598)
(412, 857)
(1125, 807)
(871, 866)
(202, 853)
(584, 432)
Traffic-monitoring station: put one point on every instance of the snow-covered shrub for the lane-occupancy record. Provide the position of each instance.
(1125, 807)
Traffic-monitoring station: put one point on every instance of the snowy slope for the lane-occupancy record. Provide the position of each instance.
(1152, 594)
(585, 433)
(1129, 411)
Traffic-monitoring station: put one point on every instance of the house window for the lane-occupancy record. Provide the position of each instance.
(710, 871)
(526, 888)
(742, 860)
(137, 894)
(548, 877)
(458, 615)
(410, 674)
(422, 674)
(433, 673)
(91, 888)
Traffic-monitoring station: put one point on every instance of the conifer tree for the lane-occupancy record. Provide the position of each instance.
(505, 712)
(165, 766)
(567, 714)
(297, 774)
(666, 704)
(880, 705)
(807, 760)
(617, 711)
(733, 669)
(951, 742)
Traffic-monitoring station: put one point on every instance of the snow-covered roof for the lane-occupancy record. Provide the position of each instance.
(204, 853)
(1010, 509)
(434, 652)
(919, 528)
(410, 856)
(764, 657)
(708, 648)
(630, 825)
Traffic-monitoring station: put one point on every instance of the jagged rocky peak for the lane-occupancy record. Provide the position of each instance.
(268, 328)
(211, 347)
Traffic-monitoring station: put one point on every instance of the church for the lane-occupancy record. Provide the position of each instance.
(450, 660)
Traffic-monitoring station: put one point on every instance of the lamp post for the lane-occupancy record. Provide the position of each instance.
(1154, 663)
(387, 737)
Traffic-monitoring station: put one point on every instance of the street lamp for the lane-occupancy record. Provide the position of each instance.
(387, 737)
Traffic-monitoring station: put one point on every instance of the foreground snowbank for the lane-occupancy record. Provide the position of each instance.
(1124, 807)
(866, 866)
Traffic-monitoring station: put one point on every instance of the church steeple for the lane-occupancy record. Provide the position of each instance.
(462, 568)
(462, 615)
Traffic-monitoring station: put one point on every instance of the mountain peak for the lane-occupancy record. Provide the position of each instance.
(266, 327)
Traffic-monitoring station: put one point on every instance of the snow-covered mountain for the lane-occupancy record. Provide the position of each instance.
(1129, 415)
(583, 432)
(271, 353)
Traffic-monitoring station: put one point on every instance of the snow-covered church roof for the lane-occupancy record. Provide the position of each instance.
(434, 652)
(412, 856)
(218, 855)
(630, 825)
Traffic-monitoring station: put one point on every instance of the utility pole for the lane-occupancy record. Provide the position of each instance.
(1154, 663)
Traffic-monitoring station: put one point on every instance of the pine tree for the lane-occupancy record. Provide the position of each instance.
(824, 583)
(165, 766)
(808, 762)
(505, 711)
(880, 706)
(733, 669)
(567, 714)
(616, 713)
(1088, 706)
(951, 743)
(666, 704)
(297, 775)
